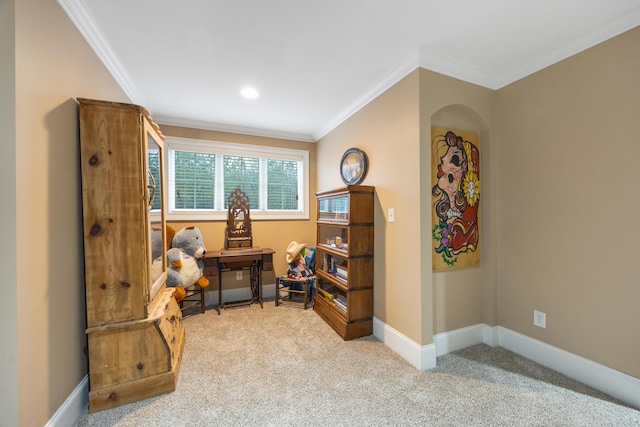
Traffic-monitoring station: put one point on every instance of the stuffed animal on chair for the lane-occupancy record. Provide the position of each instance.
(300, 259)
(185, 265)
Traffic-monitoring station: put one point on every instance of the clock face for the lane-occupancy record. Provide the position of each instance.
(353, 166)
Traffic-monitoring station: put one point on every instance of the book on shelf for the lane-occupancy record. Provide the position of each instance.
(341, 271)
(340, 303)
(325, 294)
(340, 300)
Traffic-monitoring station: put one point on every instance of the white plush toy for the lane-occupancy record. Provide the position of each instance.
(185, 265)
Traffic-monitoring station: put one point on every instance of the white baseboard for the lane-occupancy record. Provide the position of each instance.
(600, 377)
(490, 335)
(73, 407)
(424, 357)
(458, 339)
(237, 294)
(421, 357)
(269, 291)
(612, 382)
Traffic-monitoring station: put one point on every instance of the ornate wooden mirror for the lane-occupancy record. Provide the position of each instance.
(238, 230)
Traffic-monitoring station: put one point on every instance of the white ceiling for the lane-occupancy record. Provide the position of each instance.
(317, 62)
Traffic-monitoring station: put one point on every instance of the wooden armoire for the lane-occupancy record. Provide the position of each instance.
(134, 325)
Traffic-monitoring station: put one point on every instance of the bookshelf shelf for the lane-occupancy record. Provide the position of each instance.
(344, 260)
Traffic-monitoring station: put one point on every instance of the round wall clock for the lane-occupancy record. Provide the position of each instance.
(353, 166)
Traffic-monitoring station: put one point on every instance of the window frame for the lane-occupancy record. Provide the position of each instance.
(235, 149)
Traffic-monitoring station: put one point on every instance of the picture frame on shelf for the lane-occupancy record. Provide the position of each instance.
(353, 166)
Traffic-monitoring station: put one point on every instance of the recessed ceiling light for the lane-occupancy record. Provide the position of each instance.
(249, 92)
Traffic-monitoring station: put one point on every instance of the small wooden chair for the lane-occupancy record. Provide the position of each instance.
(193, 298)
(289, 288)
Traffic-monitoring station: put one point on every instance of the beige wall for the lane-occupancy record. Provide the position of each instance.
(394, 130)
(8, 233)
(559, 193)
(568, 198)
(464, 296)
(387, 130)
(53, 65)
(266, 234)
(559, 202)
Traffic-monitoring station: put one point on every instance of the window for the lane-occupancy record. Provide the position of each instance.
(202, 174)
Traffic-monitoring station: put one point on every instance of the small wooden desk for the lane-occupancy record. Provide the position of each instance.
(256, 260)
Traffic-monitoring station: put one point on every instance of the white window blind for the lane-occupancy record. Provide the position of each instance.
(202, 174)
(193, 179)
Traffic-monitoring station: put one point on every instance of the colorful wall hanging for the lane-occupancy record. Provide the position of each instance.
(455, 191)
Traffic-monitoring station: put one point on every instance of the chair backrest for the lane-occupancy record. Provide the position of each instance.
(310, 259)
(309, 267)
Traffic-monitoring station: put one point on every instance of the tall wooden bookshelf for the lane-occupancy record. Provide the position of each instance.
(344, 260)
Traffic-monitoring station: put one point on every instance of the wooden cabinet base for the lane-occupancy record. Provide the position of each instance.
(136, 360)
(346, 330)
(134, 391)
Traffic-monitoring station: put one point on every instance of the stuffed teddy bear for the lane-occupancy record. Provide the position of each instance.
(185, 265)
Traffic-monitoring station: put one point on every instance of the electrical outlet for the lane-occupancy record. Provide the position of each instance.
(539, 319)
(239, 275)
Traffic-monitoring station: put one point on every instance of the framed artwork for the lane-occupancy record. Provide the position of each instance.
(353, 166)
(455, 198)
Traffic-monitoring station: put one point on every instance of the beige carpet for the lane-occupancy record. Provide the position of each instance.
(282, 366)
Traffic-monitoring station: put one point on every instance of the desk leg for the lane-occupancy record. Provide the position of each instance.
(255, 277)
(259, 277)
(253, 282)
(219, 291)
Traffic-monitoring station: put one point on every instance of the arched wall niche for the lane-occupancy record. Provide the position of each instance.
(460, 295)
(460, 117)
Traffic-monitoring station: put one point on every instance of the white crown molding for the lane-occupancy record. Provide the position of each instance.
(219, 127)
(83, 21)
(393, 77)
(601, 34)
(424, 58)
(442, 64)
